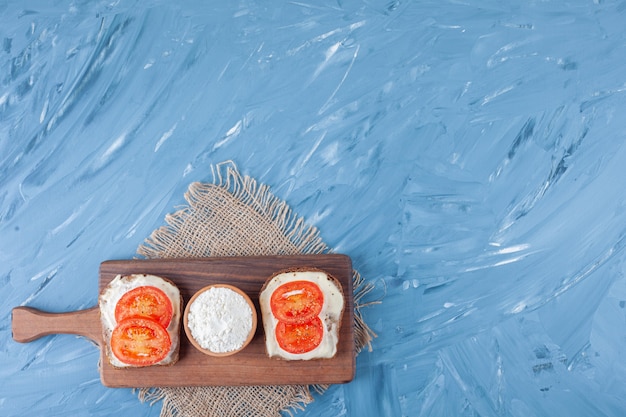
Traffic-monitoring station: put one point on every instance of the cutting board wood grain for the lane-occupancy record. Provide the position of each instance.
(248, 367)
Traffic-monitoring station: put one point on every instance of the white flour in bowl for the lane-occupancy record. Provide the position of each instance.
(220, 320)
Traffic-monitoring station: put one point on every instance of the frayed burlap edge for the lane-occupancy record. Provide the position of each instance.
(232, 401)
(290, 236)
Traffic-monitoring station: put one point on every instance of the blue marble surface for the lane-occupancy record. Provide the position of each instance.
(468, 156)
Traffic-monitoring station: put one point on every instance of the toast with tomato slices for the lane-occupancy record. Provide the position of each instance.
(301, 310)
(140, 316)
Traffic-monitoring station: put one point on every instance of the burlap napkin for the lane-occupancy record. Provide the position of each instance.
(236, 216)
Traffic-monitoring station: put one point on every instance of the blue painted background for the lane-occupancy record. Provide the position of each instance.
(469, 157)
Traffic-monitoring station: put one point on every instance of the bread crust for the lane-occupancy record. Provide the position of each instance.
(174, 333)
(338, 320)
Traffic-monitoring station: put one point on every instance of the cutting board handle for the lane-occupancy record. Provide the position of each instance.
(29, 324)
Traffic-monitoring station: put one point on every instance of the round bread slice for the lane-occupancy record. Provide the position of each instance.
(119, 286)
(330, 315)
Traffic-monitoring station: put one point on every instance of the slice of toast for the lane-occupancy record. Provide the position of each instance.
(330, 314)
(120, 285)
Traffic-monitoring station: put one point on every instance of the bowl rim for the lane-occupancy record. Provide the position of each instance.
(250, 334)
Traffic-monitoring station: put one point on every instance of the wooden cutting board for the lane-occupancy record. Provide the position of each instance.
(251, 366)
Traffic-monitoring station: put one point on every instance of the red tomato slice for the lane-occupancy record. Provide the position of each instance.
(140, 342)
(147, 302)
(299, 337)
(296, 301)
